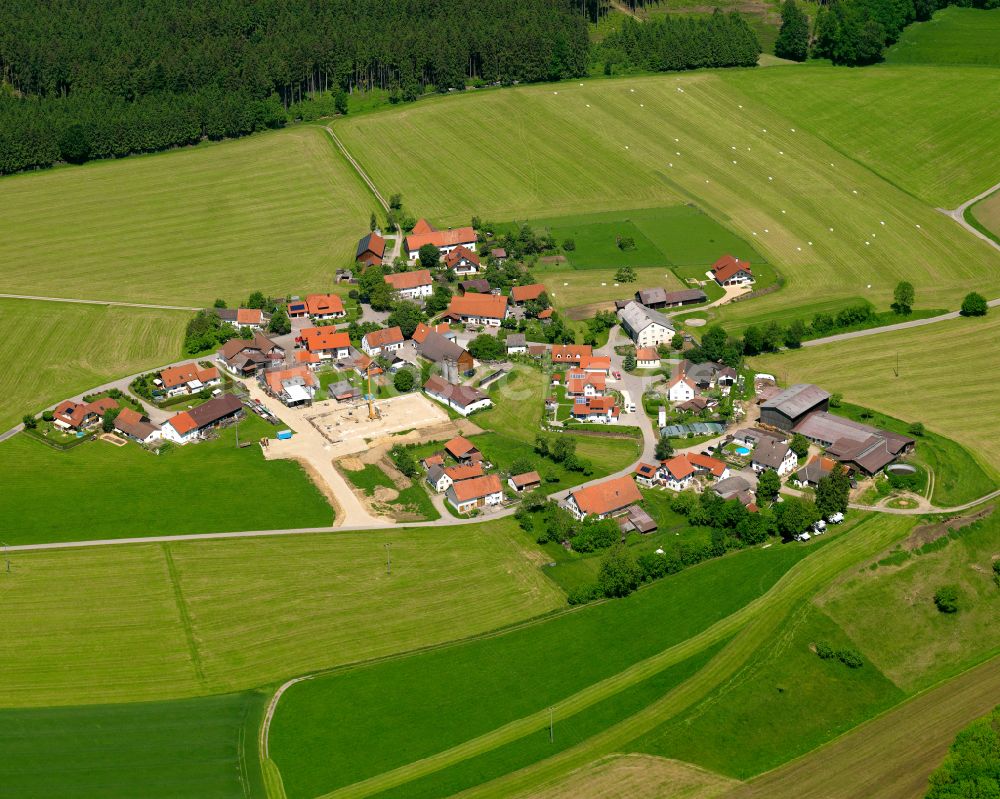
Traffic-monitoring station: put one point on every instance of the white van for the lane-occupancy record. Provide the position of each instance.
(836, 518)
(819, 527)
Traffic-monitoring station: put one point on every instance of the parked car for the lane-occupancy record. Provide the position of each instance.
(617, 375)
(802, 537)
(819, 527)
(836, 518)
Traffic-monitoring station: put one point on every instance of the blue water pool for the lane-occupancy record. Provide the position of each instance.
(742, 451)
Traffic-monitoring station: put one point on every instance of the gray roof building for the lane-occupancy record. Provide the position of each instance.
(731, 486)
(791, 406)
(769, 453)
(517, 340)
(636, 317)
(870, 449)
(659, 297)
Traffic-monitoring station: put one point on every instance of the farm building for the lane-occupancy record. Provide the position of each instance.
(647, 358)
(860, 446)
(524, 482)
(479, 309)
(730, 271)
(371, 249)
(477, 286)
(681, 388)
(411, 285)
(462, 261)
(522, 294)
(343, 391)
(788, 408)
(186, 426)
(771, 453)
(479, 492)
(814, 471)
(133, 424)
(517, 344)
(444, 240)
(244, 357)
(71, 415)
(454, 359)
(442, 329)
(635, 519)
(463, 399)
(736, 487)
(646, 327)
(661, 298)
(609, 498)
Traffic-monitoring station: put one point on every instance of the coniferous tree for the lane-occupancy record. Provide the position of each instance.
(793, 38)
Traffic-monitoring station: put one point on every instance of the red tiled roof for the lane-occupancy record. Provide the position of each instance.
(318, 339)
(489, 306)
(422, 330)
(434, 460)
(319, 304)
(441, 238)
(182, 423)
(186, 373)
(249, 316)
(546, 314)
(680, 467)
(526, 479)
(467, 490)
(380, 338)
(607, 497)
(602, 362)
(727, 266)
(423, 226)
(304, 356)
(524, 293)
(457, 473)
(460, 253)
(460, 446)
(647, 354)
(645, 470)
(400, 281)
(274, 378)
(571, 353)
(716, 467)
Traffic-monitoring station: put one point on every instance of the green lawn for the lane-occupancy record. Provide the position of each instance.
(785, 703)
(203, 747)
(411, 504)
(205, 617)
(986, 213)
(55, 350)
(890, 611)
(275, 211)
(98, 490)
(954, 36)
(929, 359)
(415, 706)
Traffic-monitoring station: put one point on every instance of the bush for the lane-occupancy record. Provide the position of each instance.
(569, 245)
(824, 650)
(974, 304)
(619, 574)
(403, 380)
(946, 599)
(29, 421)
(850, 658)
(996, 572)
(583, 595)
(48, 416)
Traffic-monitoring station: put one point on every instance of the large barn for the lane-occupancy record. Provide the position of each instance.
(791, 406)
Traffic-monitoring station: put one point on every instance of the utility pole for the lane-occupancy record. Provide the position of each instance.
(4, 545)
(551, 733)
(388, 557)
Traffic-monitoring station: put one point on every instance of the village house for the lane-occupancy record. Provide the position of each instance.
(571, 353)
(498, 254)
(788, 408)
(478, 309)
(188, 378)
(730, 271)
(318, 307)
(463, 450)
(453, 359)
(244, 357)
(585, 384)
(70, 415)
(605, 499)
(442, 329)
(517, 344)
(462, 399)
(738, 488)
(681, 388)
(462, 261)
(695, 405)
(134, 425)
(677, 474)
(771, 453)
(253, 318)
(522, 294)
(371, 250)
(661, 298)
(382, 342)
(445, 240)
(441, 478)
(294, 386)
(325, 342)
(528, 481)
(709, 374)
(814, 471)
(596, 409)
(646, 327)
(479, 492)
(646, 474)
(647, 358)
(750, 437)
(188, 426)
(411, 285)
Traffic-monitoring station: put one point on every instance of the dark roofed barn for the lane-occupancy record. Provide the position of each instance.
(791, 406)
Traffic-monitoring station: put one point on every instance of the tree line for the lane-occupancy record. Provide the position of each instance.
(82, 80)
(677, 42)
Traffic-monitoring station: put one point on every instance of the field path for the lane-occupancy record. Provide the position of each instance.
(891, 756)
(100, 302)
(357, 168)
(958, 214)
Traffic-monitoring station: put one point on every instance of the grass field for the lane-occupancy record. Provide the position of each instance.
(890, 757)
(784, 704)
(917, 140)
(205, 617)
(890, 611)
(987, 213)
(528, 146)
(954, 36)
(98, 490)
(202, 747)
(56, 350)
(931, 358)
(276, 211)
(416, 706)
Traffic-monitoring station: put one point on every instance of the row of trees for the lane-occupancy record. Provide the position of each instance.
(676, 42)
(137, 77)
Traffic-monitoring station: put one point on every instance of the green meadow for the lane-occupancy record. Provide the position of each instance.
(98, 490)
(204, 747)
(416, 706)
(954, 36)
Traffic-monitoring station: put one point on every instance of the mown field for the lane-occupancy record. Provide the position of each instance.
(932, 360)
(987, 213)
(920, 140)
(572, 149)
(204, 747)
(203, 617)
(56, 350)
(98, 490)
(276, 211)
(409, 708)
(890, 611)
(954, 36)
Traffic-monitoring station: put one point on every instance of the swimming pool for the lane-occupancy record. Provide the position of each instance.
(742, 451)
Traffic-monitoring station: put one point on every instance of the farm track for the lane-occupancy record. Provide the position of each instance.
(890, 756)
(958, 214)
(749, 625)
(100, 302)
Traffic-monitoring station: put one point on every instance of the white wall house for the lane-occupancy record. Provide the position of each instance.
(646, 327)
(681, 389)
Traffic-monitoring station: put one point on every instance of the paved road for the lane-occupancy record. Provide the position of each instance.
(100, 302)
(958, 214)
(919, 511)
(874, 331)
